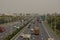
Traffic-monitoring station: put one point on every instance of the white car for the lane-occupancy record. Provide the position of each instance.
(27, 36)
(14, 26)
(17, 27)
(50, 38)
(32, 29)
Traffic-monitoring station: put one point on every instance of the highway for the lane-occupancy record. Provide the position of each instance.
(44, 34)
(12, 27)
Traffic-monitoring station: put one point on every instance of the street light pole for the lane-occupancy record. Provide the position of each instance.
(51, 22)
(55, 23)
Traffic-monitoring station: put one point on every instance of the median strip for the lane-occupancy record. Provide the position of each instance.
(19, 33)
(15, 32)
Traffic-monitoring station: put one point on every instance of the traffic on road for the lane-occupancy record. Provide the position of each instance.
(35, 30)
(8, 29)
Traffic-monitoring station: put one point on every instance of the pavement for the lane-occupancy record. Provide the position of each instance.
(44, 34)
(10, 27)
(17, 35)
(51, 32)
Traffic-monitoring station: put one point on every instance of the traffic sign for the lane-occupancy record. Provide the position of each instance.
(43, 17)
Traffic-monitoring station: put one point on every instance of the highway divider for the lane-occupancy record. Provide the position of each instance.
(20, 32)
(15, 32)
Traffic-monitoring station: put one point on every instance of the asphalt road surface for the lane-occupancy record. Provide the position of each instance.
(12, 27)
(44, 32)
(44, 35)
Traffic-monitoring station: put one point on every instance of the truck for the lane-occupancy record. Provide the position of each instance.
(36, 31)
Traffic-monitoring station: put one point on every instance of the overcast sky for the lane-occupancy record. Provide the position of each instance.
(30, 6)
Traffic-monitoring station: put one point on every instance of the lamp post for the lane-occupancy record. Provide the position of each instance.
(51, 22)
(55, 22)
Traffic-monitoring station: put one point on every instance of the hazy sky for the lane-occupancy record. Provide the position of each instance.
(30, 6)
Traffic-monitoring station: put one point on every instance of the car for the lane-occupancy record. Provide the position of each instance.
(14, 26)
(29, 26)
(31, 29)
(25, 36)
(39, 21)
(2, 29)
(17, 27)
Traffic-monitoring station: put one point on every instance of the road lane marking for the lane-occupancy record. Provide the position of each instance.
(46, 30)
(15, 38)
(42, 38)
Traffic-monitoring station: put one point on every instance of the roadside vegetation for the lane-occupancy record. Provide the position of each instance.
(9, 18)
(16, 31)
(54, 23)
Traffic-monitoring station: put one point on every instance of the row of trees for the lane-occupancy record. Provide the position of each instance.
(54, 20)
(6, 18)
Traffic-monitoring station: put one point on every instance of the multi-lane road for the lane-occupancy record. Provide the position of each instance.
(45, 33)
(10, 27)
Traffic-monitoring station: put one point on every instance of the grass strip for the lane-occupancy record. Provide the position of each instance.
(15, 32)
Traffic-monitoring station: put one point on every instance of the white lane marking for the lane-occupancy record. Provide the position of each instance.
(41, 35)
(1, 36)
(42, 38)
(20, 33)
(46, 30)
(33, 38)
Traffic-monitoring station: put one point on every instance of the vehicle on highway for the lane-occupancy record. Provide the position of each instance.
(36, 31)
(17, 27)
(26, 36)
(50, 38)
(29, 26)
(39, 20)
(33, 22)
(2, 29)
(31, 29)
